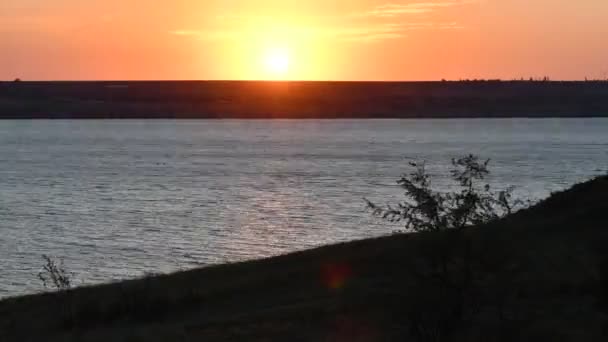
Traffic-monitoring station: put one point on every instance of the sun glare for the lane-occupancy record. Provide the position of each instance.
(277, 62)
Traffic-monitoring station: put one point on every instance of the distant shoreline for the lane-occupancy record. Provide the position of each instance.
(302, 100)
(293, 119)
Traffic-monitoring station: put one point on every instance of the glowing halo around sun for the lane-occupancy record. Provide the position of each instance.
(274, 52)
(276, 62)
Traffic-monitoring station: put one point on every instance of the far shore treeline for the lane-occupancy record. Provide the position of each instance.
(219, 99)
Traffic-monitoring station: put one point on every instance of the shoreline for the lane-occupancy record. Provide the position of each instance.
(545, 266)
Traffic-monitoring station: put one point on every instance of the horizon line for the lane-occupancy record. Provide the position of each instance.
(16, 80)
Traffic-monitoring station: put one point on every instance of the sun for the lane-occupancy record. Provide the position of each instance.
(277, 62)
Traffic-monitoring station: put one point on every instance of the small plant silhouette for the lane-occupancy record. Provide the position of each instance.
(426, 209)
(55, 274)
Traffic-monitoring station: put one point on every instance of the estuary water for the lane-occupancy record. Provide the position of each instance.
(117, 199)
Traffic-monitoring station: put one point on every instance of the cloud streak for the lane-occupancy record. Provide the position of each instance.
(207, 35)
(388, 31)
(387, 21)
(398, 18)
(391, 10)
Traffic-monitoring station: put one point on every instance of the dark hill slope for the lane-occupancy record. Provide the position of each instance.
(540, 274)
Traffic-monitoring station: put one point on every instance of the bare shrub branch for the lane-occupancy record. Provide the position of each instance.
(55, 274)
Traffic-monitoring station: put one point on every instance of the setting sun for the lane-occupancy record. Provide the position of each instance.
(277, 62)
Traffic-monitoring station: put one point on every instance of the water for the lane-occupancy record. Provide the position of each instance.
(120, 198)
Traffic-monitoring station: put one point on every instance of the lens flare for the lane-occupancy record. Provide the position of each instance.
(336, 275)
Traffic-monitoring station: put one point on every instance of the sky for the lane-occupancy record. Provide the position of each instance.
(379, 40)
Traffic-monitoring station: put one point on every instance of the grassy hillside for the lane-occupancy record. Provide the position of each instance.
(540, 274)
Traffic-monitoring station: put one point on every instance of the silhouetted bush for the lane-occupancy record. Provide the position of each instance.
(427, 209)
(453, 269)
(55, 274)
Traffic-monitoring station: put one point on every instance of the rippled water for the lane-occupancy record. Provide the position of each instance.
(120, 198)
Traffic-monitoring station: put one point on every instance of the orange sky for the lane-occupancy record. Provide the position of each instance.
(309, 40)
